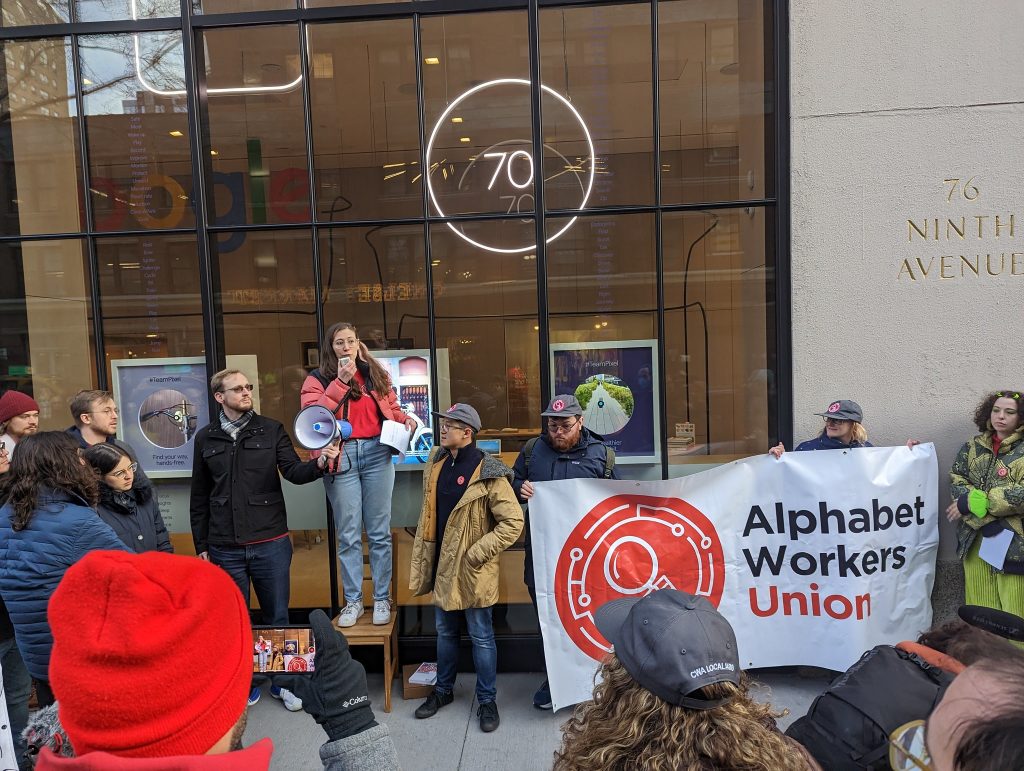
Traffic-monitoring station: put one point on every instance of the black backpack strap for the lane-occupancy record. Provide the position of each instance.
(528, 451)
(609, 461)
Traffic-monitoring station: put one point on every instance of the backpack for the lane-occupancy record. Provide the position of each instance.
(847, 727)
(609, 457)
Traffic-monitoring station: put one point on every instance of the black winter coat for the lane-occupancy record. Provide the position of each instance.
(584, 461)
(135, 517)
(236, 489)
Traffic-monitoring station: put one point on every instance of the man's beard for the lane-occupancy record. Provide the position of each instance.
(563, 443)
(236, 735)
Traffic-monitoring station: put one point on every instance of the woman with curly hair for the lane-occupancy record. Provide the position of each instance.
(672, 697)
(987, 486)
(47, 524)
(356, 388)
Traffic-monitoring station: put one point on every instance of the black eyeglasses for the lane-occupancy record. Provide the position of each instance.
(835, 421)
(562, 427)
(238, 389)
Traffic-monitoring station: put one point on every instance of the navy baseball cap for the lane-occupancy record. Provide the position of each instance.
(462, 413)
(672, 643)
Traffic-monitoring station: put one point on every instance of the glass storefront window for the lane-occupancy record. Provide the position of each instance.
(477, 104)
(718, 273)
(240, 6)
(137, 123)
(46, 344)
(109, 10)
(714, 94)
(255, 111)
(40, 182)
(599, 60)
(365, 122)
(149, 289)
(18, 13)
(486, 309)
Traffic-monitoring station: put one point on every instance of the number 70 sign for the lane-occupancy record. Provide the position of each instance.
(508, 164)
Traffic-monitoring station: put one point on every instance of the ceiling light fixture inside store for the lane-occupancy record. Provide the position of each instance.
(456, 119)
(431, 60)
(175, 133)
(464, 139)
(181, 92)
(586, 189)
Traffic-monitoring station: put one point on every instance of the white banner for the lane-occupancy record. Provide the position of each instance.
(814, 558)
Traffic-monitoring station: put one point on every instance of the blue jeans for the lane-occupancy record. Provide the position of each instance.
(360, 497)
(266, 565)
(485, 653)
(17, 690)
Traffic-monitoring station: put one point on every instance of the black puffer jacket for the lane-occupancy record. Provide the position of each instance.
(135, 516)
(236, 490)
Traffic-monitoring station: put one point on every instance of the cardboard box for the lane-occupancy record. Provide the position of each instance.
(410, 691)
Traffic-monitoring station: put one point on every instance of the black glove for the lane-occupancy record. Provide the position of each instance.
(335, 694)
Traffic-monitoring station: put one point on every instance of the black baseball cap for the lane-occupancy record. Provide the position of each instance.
(672, 643)
(843, 409)
(462, 413)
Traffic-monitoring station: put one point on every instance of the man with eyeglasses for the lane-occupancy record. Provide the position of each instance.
(95, 415)
(469, 517)
(237, 506)
(19, 417)
(566, 450)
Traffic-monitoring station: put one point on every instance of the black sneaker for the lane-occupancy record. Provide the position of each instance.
(488, 714)
(542, 698)
(434, 702)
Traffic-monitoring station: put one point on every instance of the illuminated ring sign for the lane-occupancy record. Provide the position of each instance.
(442, 121)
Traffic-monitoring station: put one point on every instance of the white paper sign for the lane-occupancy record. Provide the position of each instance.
(994, 547)
(396, 435)
(8, 762)
(814, 558)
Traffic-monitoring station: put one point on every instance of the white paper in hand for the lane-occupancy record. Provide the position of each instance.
(994, 547)
(396, 435)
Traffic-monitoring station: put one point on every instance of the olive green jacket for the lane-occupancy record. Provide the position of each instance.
(482, 525)
(1002, 479)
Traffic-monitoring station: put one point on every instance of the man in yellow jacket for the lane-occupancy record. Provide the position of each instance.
(470, 516)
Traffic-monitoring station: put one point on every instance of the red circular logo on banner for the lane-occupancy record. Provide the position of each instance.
(630, 546)
(298, 664)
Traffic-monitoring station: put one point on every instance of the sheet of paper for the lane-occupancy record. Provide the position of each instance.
(425, 674)
(993, 548)
(395, 434)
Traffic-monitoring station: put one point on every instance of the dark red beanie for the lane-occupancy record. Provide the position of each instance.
(152, 654)
(14, 403)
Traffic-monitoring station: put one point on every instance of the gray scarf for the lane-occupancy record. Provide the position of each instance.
(232, 427)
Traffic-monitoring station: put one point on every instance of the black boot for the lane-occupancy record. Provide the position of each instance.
(434, 702)
(488, 714)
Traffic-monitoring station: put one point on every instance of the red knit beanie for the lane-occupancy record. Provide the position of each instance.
(152, 654)
(14, 403)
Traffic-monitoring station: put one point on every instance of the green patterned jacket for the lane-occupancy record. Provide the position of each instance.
(1002, 479)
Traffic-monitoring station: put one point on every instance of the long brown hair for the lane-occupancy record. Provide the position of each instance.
(379, 378)
(628, 727)
(46, 460)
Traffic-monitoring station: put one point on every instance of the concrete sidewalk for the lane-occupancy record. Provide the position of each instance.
(452, 740)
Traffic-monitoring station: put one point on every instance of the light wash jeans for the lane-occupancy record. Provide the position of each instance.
(360, 497)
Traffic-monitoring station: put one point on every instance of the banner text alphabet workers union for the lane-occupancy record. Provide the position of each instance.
(813, 558)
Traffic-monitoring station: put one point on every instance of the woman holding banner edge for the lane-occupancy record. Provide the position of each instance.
(356, 388)
(987, 485)
(843, 430)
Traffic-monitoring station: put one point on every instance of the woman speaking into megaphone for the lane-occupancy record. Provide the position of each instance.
(357, 389)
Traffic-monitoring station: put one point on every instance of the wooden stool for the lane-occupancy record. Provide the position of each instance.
(365, 632)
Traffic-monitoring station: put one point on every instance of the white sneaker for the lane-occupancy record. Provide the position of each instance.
(381, 611)
(350, 614)
(292, 703)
